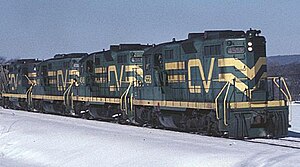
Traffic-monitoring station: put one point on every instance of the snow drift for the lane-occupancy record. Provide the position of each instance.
(32, 139)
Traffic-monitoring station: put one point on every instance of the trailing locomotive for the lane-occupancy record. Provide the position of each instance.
(22, 79)
(57, 79)
(105, 76)
(213, 82)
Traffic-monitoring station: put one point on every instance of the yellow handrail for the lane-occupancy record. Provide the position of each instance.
(225, 111)
(287, 89)
(124, 95)
(131, 105)
(29, 91)
(66, 94)
(216, 100)
(125, 100)
(282, 91)
(290, 98)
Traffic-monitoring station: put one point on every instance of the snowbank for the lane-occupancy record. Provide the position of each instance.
(32, 139)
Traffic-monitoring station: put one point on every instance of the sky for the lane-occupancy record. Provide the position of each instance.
(43, 28)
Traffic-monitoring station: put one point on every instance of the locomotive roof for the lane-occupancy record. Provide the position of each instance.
(24, 61)
(123, 47)
(118, 48)
(67, 56)
(206, 35)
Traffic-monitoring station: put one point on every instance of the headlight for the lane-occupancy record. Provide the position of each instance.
(250, 49)
(250, 43)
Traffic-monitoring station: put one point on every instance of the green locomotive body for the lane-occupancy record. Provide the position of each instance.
(107, 75)
(21, 80)
(213, 82)
(55, 79)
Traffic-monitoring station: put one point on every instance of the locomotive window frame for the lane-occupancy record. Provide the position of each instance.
(147, 62)
(50, 66)
(169, 54)
(97, 61)
(122, 59)
(212, 50)
(89, 66)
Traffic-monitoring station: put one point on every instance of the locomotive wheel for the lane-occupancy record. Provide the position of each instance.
(142, 116)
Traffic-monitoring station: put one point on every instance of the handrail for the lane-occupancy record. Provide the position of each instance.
(29, 80)
(282, 91)
(28, 95)
(66, 94)
(287, 89)
(124, 95)
(290, 100)
(225, 111)
(29, 91)
(216, 100)
(121, 100)
(131, 99)
(125, 100)
(287, 94)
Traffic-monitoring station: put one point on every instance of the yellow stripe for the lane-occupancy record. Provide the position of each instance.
(51, 73)
(176, 78)
(238, 83)
(206, 82)
(33, 74)
(100, 70)
(22, 96)
(238, 64)
(275, 103)
(180, 104)
(131, 68)
(175, 65)
(52, 81)
(74, 72)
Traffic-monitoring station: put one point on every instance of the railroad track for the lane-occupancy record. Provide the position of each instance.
(291, 140)
(286, 143)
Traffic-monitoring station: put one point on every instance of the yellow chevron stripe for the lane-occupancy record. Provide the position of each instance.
(238, 83)
(136, 68)
(238, 64)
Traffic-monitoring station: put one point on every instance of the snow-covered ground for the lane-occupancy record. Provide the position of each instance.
(32, 139)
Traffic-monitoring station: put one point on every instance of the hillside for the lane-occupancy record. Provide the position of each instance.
(284, 59)
(287, 66)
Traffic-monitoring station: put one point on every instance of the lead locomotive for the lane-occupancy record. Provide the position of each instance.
(213, 82)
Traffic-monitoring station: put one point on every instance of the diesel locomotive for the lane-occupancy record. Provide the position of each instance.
(213, 83)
